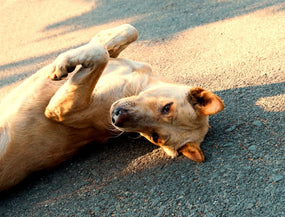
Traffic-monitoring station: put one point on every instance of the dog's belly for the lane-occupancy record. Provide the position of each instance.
(40, 142)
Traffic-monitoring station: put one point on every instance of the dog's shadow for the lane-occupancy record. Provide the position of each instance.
(97, 165)
(94, 165)
(253, 115)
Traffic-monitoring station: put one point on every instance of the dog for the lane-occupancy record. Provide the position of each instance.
(46, 119)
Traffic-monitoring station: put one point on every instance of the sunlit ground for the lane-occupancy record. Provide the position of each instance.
(240, 51)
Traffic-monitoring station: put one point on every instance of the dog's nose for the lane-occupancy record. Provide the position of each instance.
(119, 116)
(118, 111)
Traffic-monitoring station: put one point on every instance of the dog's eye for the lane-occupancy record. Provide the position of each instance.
(155, 137)
(166, 108)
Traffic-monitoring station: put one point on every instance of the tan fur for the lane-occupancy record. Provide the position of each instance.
(44, 122)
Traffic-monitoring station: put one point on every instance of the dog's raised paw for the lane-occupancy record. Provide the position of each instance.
(61, 68)
(57, 74)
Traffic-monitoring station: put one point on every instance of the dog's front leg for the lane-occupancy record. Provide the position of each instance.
(75, 94)
(115, 40)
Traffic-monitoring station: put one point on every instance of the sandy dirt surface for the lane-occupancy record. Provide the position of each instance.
(234, 48)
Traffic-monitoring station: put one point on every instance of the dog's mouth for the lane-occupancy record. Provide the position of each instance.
(125, 118)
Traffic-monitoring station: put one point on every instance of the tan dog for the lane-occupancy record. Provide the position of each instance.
(43, 122)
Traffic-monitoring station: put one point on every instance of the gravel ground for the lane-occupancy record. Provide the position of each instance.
(234, 48)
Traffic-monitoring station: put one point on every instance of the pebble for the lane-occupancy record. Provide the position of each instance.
(229, 144)
(232, 128)
(83, 183)
(252, 148)
(276, 178)
(161, 210)
(249, 205)
(257, 123)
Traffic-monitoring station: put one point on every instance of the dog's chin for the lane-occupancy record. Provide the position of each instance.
(119, 124)
(125, 129)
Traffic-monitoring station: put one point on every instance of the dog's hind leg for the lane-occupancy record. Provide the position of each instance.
(115, 40)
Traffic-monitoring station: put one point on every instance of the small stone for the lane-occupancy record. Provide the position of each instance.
(83, 183)
(249, 205)
(96, 208)
(161, 210)
(276, 178)
(232, 128)
(107, 196)
(229, 144)
(252, 148)
(257, 123)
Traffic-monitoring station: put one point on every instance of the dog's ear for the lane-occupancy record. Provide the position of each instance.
(193, 152)
(205, 102)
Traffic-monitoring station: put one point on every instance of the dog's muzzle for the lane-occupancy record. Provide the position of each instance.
(119, 116)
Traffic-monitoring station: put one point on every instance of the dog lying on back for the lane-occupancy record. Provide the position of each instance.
(47, 119)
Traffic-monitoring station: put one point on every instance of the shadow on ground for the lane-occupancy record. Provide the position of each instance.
(151, 18)
(137, 166)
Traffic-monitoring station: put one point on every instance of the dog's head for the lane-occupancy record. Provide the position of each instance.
(173, 117)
